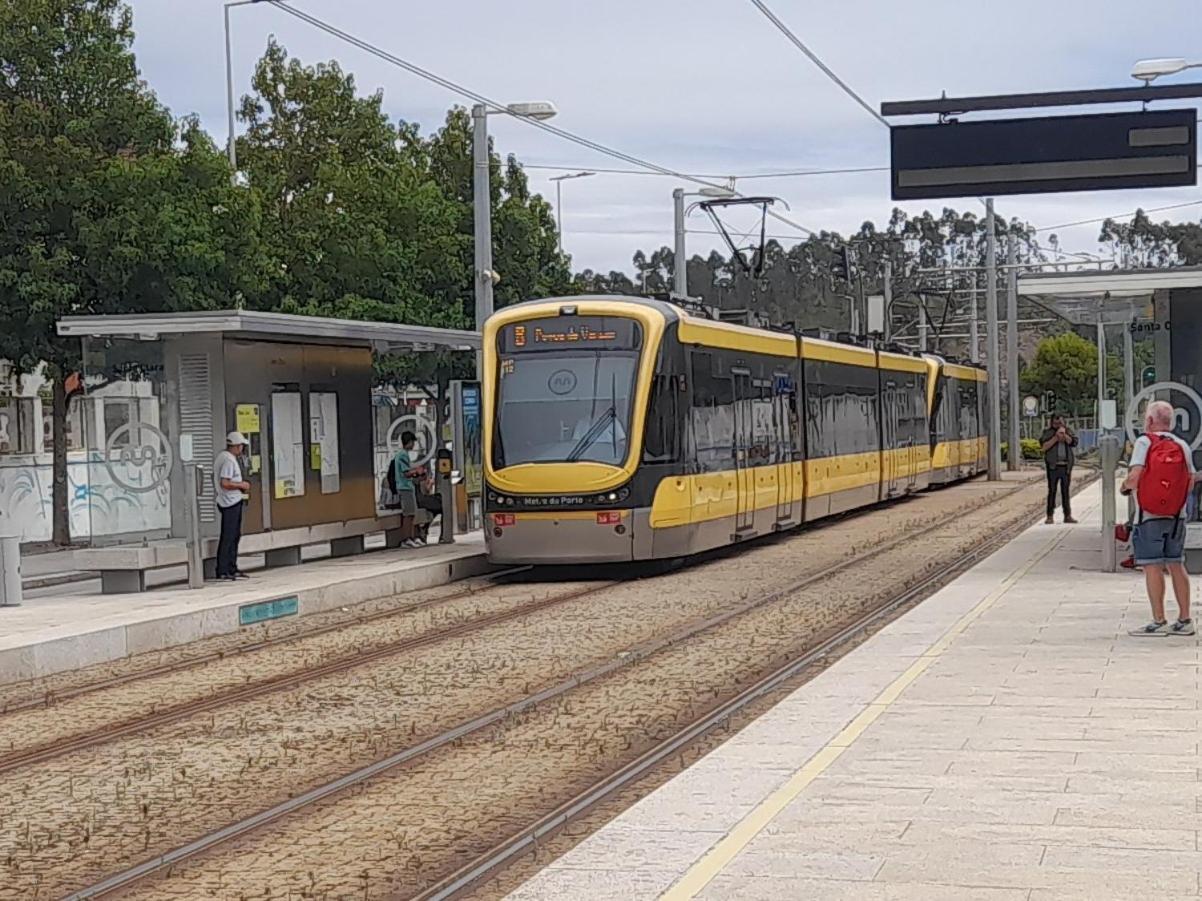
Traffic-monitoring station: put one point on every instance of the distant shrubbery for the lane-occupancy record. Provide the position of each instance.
(1029, 447)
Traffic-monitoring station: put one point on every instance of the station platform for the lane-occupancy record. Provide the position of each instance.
(1005, 740)
(67, 627)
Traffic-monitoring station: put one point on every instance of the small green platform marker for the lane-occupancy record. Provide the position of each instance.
(249, 614)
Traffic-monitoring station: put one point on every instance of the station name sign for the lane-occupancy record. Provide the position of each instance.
(1045, 155)
(594, 332)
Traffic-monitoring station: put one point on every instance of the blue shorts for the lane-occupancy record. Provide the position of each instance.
(1158, 541)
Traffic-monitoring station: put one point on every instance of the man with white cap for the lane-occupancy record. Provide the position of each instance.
(231, 491)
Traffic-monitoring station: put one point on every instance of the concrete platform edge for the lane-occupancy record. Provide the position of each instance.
(63, 654)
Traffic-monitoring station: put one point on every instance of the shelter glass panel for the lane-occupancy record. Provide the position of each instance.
(121, 487)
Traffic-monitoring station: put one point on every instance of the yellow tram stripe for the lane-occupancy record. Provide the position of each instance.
(708, 333)
(685, 499)
(957, 453)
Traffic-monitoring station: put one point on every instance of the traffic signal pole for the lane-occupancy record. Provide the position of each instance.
(994, 407)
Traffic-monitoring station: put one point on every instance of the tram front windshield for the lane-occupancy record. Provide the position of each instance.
(561, 405)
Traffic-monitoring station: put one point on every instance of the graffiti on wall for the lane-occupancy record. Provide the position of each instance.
(98, 505)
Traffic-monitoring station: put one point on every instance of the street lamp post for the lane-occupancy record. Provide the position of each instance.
(484, 277)
(229, 88)
(1148, 70)
(559, 179)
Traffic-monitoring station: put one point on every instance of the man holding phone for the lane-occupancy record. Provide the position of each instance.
(1057, 442)
(231, 490)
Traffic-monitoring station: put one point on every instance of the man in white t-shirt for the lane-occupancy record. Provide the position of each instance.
(231, 491)
(1159, 541)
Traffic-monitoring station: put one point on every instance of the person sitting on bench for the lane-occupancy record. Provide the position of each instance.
(430, 500)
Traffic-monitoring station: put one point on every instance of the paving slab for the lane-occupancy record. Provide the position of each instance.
(1008, 740)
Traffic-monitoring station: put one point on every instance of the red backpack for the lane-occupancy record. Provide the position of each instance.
(1165, 482)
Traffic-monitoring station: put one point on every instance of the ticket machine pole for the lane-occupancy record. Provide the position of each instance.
(194, 480)
(446, 491)
(10, 570)
(1110, 443)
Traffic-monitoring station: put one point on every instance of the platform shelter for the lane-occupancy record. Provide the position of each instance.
(302, 389)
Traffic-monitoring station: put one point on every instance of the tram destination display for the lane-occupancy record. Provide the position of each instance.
(570, 332)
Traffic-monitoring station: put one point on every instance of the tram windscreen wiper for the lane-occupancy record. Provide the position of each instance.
(608, 416)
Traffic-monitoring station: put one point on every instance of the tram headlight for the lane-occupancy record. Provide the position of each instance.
(611, 497)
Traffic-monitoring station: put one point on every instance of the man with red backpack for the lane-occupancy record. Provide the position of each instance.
(1161, 474)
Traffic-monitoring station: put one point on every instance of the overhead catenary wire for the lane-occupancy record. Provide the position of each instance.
(1156, 209)
(813, 57)
(799, 173)
(465, 92)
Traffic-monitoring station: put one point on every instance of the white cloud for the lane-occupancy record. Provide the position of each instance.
(697, 85)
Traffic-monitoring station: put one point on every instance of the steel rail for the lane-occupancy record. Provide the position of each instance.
(281, 682)
(502, 854)
(53, 697)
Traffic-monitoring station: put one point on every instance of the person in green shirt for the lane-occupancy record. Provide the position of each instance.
(402, 463)
(403, 473)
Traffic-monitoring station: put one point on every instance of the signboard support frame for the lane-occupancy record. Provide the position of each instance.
(466, 444)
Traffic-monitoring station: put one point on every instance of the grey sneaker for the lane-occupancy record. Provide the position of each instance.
(1152, 628)
(1182, 627)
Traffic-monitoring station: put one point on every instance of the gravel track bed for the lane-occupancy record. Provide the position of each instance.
(404, 830)
(46, 689)
(38, 727)
(68, 822)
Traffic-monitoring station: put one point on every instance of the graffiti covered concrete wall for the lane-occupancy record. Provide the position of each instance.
(98, 506)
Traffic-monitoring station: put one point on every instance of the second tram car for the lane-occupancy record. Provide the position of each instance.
(620, 429)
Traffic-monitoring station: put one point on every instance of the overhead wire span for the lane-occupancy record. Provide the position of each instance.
(462, 91)
(799, 173)
(1156, 209)
(813, 57)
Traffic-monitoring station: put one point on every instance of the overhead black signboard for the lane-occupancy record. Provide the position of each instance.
(1045, 155)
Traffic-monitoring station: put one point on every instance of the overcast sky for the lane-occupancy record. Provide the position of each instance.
(704, 86)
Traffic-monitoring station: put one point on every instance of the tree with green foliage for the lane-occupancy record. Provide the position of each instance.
(354, 225)
(1144, 244)
(1066, 364)
(109, 206)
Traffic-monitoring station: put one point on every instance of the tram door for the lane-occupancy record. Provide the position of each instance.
(782, 430)
(889, 452)
(744, 442)
(907, 404)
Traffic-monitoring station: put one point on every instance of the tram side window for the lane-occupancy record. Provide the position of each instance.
(968, 410)
(949, 410)
(842, 409)
(763, 437)
(712, 414)
(661, 441)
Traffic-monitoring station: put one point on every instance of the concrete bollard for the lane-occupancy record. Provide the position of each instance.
(10, 570)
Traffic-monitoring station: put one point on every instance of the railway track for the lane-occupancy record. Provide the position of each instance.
(174, 713)
(54, 696)
(516, 843)
(501, 855)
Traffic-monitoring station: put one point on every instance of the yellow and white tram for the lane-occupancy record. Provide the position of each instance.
(620, 429)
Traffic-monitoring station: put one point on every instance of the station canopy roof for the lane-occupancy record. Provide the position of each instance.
(1117, 295)
(384, 337)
